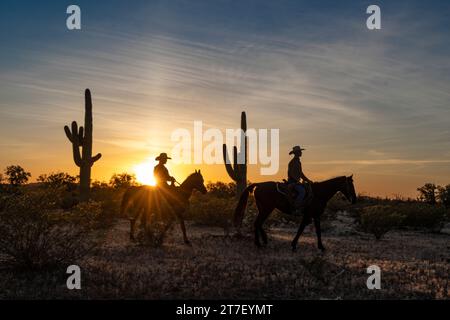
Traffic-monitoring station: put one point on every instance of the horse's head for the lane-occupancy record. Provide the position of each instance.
(349, 189)
(197, 182)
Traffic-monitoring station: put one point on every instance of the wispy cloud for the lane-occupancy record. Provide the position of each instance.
(341, 90)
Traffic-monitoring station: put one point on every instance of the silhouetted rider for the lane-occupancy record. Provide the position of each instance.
(295, 175)
(161, 173)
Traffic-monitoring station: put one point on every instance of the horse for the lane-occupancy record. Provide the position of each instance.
(146, 201)
(268, 198)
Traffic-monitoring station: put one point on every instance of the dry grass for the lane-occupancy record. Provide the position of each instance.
(414, 266)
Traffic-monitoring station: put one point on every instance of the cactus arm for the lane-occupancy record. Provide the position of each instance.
(74, 138)
(81, 135)
(228, 166)
(96, 158)
(68, 133)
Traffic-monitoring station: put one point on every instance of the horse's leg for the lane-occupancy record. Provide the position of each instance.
(263, 236)
(318, 233)
(263, 213)
(261, 217)
(256, 229)
(143, 215)
(132, 228)
(305, 221)
(183, 229)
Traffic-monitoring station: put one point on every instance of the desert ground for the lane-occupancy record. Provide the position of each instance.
(414, 265)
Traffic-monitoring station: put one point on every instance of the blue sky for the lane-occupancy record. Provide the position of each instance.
(372, 103)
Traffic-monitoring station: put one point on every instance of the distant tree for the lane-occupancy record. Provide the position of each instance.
(427, 193)
(122, 180)
(1, 178)
(57, 180)
(444, 195)
(16, 175)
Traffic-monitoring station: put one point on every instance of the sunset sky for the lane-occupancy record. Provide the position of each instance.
(372, 103)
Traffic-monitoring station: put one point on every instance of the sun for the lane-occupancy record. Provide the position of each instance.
(144, 173)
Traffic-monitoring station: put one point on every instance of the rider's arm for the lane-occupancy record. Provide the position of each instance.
(302, 175)
(306, 178)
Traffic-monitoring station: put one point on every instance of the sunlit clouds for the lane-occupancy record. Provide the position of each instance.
(372, 104)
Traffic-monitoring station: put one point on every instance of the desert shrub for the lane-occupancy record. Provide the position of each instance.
(87, 215)
(338, 203)
(221, 189)
(99, 184)
(34, 235)
(58, 180)
(335, 204)
(69, 200)
(380, 219)
(63, 185)
(122, 180)
(110, 199)
(154, 234)
(211, 211)
(421, 215)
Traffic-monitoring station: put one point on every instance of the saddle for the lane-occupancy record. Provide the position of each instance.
(288, 190)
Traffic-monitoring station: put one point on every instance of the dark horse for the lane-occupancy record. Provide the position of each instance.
(269, 198)
(145, 202)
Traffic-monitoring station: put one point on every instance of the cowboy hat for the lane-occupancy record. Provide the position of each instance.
(296, 149)
(162, 156)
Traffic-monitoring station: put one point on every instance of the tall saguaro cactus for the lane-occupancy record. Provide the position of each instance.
(238, 171)
(82, 137)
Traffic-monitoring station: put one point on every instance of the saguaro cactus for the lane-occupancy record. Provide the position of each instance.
(82, 137)
(238, 171)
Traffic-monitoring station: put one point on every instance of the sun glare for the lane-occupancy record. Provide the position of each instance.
(144, 173)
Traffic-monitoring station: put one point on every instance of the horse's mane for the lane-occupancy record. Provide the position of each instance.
(189, 176)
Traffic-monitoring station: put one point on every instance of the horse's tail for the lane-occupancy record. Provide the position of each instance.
(242, 204)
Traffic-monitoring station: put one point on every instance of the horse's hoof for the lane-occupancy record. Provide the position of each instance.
(294, 247)
(188, 243)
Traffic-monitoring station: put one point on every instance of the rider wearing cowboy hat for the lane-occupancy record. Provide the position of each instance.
(161, 173)
(295, 173)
